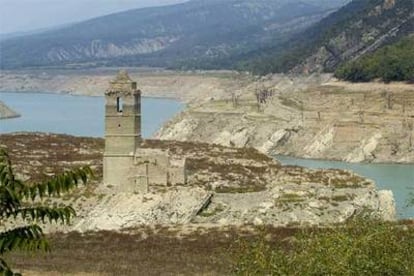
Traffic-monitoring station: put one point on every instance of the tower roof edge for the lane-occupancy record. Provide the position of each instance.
(122, 84)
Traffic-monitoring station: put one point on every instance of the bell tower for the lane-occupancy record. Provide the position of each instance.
(122, 130)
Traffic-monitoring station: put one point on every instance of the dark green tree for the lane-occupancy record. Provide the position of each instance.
(394, 62)
(20, 200)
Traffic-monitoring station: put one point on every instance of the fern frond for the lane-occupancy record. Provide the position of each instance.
(44, 213)
(12, 194)
(59, 184)
(7, 177)
(5, 269)
(28, 238)
(9, 201)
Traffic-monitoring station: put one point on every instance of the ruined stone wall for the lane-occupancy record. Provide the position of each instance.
(177, 172)
(162, 170)
(153, 160)
(116, 173)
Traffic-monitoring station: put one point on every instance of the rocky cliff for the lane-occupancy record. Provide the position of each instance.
(378, 24)
(358, 28)
(311, 117)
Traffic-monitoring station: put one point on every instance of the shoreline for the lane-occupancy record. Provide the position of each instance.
(341, 161)
(184, 86)
(81, 95)
(275, 156)
(7, 113)
(10, 117)
(206, 116)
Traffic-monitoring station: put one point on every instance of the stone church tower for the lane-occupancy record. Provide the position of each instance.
(122, 131)
(129, 165)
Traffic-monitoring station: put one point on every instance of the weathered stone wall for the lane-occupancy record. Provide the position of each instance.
(122, 129)
(151, 163)
(162, 170)
(177, 171)
(117, 173)
(122, 134)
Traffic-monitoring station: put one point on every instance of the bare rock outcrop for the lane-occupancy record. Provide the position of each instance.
(310, 118)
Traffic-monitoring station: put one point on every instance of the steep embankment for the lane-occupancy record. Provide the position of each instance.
(308, 117)
(6, 112)
(225, 186)
(186, 86)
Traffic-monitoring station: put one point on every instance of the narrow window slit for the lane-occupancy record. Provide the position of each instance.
(119, 104)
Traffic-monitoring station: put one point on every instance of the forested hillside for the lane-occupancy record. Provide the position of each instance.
(260, 36)
(358, 28)
(390, 63)
(198, 33)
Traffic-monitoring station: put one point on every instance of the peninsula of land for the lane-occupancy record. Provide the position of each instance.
(225, 186)
(6, 112)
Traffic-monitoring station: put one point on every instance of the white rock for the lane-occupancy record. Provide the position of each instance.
(257, 221)
(315, 204)
(386, 205)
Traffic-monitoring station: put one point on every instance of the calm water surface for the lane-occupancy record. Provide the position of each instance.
(84, 116)
(396, 177)
(77, 115)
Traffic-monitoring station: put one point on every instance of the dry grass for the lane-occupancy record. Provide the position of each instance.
(202, 252)
(37, 154)
(163, 250)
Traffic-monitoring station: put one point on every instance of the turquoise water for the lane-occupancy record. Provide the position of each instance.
(84, 116)
(77, 115)
(396, 177)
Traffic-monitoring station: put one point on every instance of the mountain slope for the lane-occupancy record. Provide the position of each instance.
(358, 28)
(394, 62)
(194, 32)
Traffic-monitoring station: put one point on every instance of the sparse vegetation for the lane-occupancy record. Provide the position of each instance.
(22, 209)
(358, 248)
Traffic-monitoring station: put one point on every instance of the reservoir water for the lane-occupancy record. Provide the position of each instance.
(84, 116)
(77, 115)
(396, 177)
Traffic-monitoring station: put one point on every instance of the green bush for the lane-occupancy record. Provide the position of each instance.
(391, 63)
(357, 248)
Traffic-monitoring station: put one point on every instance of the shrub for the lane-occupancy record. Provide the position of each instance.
(22, 209)
(390, 63)
(357, 248)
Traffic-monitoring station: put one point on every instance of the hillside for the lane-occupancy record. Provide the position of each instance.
(390, 63)
(308, 117)
(358, 28)
(198, 33)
